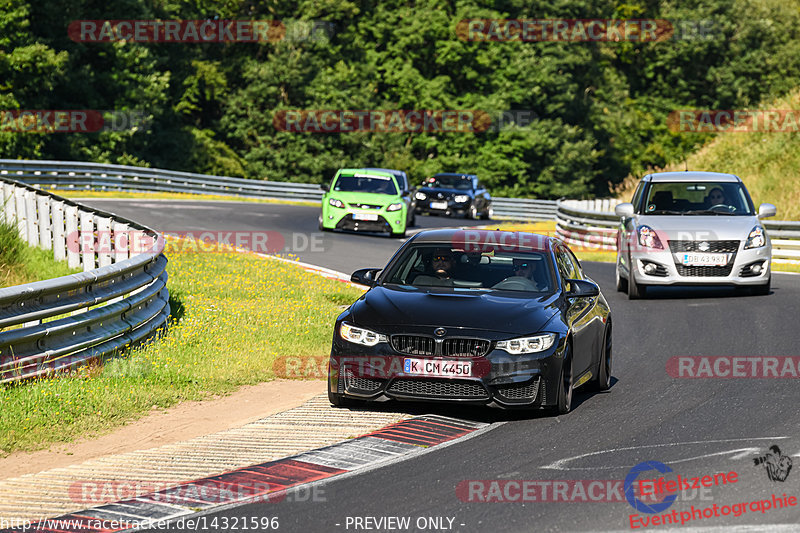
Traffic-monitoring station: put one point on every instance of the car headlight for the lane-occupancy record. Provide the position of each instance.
(360, 335)
(336, 203)
(756, 239)
(461, 198)
(648, 237)
(538, 343)
(395, 207)
(420, 196)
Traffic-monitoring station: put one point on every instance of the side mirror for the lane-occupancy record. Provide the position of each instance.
(624, 210)
(325, 187)
(581, 288)
(766, 210)
(366, 276)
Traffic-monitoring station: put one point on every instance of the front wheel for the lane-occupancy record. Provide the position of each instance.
(602, 380)
(473, 212)
(322, 226)
(338, 400)
(762, 290)
(399, 234)
(622, 283)
(564, 398)
(635, 290)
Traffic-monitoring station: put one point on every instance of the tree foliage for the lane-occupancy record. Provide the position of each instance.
(601, 108)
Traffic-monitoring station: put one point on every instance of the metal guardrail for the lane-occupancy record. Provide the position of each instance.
(523, 209)
(119, 300)
(593, 224)
(68, 175)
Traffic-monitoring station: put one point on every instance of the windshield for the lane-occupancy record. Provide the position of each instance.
(450, 182)
(365, 183)
(697, 198)
(437, 265)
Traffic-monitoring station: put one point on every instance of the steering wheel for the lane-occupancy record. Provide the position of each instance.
(726, 207)
(516, 283)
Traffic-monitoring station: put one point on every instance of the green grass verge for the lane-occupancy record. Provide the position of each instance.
(20, 263)
(235, 315)
(83, 193)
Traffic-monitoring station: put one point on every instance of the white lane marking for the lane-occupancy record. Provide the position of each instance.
(745, 453)
(560, 464)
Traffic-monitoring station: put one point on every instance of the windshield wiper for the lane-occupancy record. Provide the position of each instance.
(706, 212)
(664, 212)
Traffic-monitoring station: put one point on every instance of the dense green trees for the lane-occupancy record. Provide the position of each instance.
(601, 107)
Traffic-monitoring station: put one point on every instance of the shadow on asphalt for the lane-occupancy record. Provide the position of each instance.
(693, 293)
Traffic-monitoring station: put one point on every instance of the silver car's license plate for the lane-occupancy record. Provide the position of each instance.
(705, 259)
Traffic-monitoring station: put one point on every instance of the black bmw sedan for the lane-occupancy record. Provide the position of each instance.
(482, 317)
(454, 194)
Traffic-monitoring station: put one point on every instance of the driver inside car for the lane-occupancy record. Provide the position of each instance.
(439, 271)
(524, 276)
(716, 197)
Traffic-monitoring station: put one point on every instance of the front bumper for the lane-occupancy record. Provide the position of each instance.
(452, 208)
(498, 379)
(668, 270)
(343, 219)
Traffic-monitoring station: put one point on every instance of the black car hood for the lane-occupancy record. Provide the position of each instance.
(449, 192)
(383, 306)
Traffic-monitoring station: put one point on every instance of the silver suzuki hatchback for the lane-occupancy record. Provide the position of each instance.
(692, 228)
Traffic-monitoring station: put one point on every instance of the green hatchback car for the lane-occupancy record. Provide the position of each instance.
(366, 200)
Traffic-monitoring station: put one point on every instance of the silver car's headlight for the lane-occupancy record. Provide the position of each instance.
(461, 198)
(648, 237)
(395, 207)
(756, 239)
(420, 196)
(537, 343)
(360, 335)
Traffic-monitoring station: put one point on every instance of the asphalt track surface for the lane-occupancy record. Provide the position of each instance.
(696, 426)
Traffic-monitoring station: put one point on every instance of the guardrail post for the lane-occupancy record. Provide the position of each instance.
(45, 229)
(21, 219)
(73, 237)
(31, 219)
(121, 242)
(59, 235)
(87, 241)
(103, 241)
(9, 205)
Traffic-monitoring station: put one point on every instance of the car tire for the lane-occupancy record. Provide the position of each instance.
(602, 379)
(398, 235)
(564, 396)
(322, 226)
(762, 290)
(635, 290)
(413, 221)
(622, 283)
(337, 400)
(489, 213)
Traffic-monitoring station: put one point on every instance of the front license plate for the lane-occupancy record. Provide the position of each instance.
(438, 205)
(365, 216)
(438, 368)
(705, 259)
